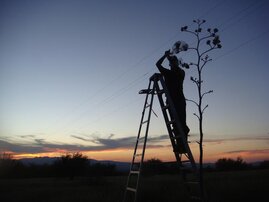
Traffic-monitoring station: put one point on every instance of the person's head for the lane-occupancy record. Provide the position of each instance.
(173, 62)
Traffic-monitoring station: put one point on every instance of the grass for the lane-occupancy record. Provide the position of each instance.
(240, 186)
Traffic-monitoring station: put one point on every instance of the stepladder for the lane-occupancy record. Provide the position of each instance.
(179, 142)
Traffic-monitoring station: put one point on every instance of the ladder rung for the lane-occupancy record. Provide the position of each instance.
(141, 138)
(148, 105)
(191, 182)
(160, 91)
(186, 161)
(134, 172)
(196, 198)
(145, 91)
(185, 169)
(165, 107)
(175, 137)
(138, 155)
(144, 122)
(131, 189)
(171, 122)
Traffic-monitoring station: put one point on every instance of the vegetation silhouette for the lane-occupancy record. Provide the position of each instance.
(101, 182)
(264, 165)
(67, 166)
(72, 164)
(228, 164)
(206, 40)
(77, 165)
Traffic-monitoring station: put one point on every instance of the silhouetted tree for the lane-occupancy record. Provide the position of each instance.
(103, 169)
(10, 167)
(264, 165)
(72, 164)
(205, 42)
(228, 164)
(153, 166)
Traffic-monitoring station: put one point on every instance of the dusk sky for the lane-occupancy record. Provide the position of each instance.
(70, 72)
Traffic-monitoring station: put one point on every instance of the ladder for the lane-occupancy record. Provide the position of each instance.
(178, 140)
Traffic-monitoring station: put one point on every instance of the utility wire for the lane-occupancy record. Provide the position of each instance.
(238, 47)
(242, 44)
(108, 99)
(251, 9)
(120, 76)
(136, 64)
(131, 68)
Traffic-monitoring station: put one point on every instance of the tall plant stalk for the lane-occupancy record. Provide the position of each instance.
(205, 42)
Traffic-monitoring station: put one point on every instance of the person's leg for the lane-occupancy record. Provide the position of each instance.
(181, 111)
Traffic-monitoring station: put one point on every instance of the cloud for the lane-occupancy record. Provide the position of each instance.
(124, 142)
(81, 138)
(111, 135)
(42, 146)
(248, 155)
(27, 136)
(18, 148)
(253, 151)
(219, 141)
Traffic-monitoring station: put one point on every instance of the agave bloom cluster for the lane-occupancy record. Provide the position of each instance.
(179, 46)
(213, 39)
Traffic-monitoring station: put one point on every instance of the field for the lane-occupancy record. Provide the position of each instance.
(239, 186)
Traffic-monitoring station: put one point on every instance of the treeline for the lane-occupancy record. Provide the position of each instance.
(69, 165)
(78, 165)
(155, 166)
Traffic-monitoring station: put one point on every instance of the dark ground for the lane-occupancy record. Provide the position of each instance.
(239, 186)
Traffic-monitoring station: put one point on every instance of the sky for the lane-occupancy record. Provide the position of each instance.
(70, 73)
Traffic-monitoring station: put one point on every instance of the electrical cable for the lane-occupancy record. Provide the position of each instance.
(121, 91)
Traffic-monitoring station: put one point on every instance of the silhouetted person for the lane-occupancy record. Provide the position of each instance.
(174, 81)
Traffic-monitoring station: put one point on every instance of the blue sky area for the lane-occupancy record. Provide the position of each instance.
(70, 72)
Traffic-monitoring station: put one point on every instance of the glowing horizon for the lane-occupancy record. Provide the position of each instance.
(70, 75)
(213, 151)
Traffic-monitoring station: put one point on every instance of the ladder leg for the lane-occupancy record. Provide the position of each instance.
(136, 172)
(177, 137)
(179, 142)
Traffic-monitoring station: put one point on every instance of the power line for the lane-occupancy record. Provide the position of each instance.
(124, 89)
(231, 18)
(120, 76)
(119, 108)
(242, 44)
(111, 97)
(219, 3)
(251, 9)
(132, 67)
(136, 64)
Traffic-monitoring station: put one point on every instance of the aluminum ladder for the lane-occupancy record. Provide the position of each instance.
(178, 140)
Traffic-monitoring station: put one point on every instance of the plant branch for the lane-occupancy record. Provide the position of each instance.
(189, 100)
(210, 49)
(210, 91)
(204, 62)
(195, 80)
(204, 109)
(206, 37)
(196, 116)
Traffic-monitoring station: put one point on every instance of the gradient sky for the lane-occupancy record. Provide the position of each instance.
(70, 72)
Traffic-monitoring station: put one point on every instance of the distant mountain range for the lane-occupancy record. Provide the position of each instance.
(120, 166)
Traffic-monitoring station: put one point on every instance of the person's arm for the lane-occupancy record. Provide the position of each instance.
(160, 61)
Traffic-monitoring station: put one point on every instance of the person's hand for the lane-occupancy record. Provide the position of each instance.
(167, 53)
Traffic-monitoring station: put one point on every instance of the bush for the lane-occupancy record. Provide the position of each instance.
(10, 167)
(227, 164)
(264, 165)
(71, 165)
